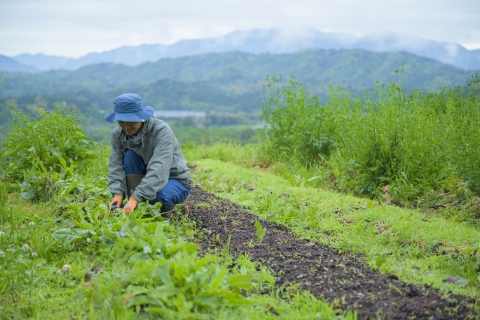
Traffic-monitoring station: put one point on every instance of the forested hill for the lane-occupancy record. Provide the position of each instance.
(256, 41)
(226, 81)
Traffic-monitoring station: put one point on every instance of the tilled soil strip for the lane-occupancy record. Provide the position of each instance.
(316, 267)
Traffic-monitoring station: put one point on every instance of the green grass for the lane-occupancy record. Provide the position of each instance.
(35, 285)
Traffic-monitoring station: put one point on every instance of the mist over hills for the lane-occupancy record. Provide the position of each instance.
(9, 64)
(228, 82)
(257, 41)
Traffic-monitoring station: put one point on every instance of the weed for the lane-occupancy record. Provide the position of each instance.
(38, 154)
(390, 143)
(392, 286)
(260, 231)
(226, 250)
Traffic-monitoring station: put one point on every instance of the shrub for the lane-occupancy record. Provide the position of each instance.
(297, 127)
(37, 153)
(390, 141)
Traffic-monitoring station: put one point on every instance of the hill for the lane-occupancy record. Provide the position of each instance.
(259, 41)
(231, 81)
(11, 65)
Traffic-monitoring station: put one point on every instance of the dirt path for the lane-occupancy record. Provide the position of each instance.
(296, 261)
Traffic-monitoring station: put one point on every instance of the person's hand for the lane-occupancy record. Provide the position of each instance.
(117, 201)
(130, 206)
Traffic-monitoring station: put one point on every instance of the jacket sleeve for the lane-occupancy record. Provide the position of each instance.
(158, 168)
(116, 173)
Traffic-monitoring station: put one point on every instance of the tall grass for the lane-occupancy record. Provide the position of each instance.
(298, 127)
(391, 141)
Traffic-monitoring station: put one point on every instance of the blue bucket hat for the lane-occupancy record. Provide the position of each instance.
(129, 108)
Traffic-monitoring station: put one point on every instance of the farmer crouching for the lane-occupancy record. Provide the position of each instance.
(146, 163)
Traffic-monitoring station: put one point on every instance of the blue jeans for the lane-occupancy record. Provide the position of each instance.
(174, 191)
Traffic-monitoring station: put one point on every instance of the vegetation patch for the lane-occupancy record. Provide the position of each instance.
(70, 256)
(342, 278)
(278, 240)
(404, 242)
(392, 143)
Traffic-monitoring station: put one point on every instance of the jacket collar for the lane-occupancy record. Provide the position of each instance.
(139, 137)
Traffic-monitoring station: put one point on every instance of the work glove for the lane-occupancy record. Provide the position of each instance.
(116, 202)
(130, 206)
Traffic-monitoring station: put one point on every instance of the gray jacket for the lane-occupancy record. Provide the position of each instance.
(160, 151)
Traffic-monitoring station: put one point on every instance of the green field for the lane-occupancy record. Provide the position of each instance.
(393, 177)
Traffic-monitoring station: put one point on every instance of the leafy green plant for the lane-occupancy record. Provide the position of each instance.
(37, 153)
(93, 223)
(21, 267)
(391, 142)
(262, 278)
(178, 287)
(260, 231)
(296, 124)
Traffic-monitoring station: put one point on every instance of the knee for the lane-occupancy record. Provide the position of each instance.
(133, 163)
(129, 156)
(163, 198)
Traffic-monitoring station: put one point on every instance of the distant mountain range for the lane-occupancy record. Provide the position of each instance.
(254, 41)
(227, 82)
(11, 65)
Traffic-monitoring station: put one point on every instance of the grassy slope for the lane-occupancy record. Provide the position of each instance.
(417, 248)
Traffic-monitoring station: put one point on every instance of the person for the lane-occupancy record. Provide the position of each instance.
(146, 162)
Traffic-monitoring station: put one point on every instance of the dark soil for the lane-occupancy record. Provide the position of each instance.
(295, 261)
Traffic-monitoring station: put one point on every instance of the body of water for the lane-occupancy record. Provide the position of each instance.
(178, 114)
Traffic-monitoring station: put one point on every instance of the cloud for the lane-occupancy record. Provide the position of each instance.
(74, 28)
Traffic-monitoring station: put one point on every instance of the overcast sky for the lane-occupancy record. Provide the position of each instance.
(73, 28)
